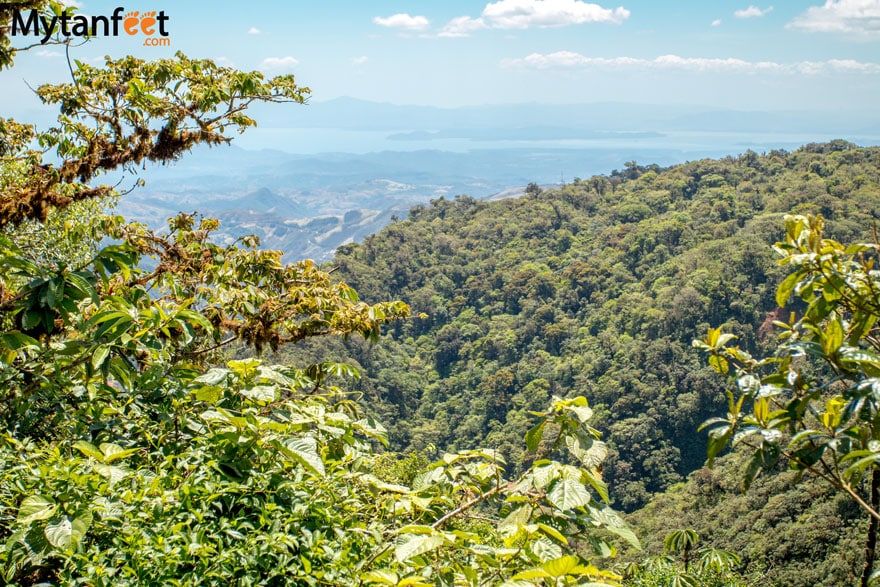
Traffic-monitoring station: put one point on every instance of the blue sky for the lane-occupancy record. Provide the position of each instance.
(815, 54)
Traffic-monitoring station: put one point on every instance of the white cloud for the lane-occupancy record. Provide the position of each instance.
(254, 31)
(752, 12)
(523, 14)
(72, 3)
(842, 16)
(570, 59)
(403, 21)
(279, 63)
(224, 62)
(47, 54)
(716, 22)
(360, 60)
(462, 26)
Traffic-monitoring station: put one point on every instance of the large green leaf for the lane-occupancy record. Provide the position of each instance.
(534, 436)
(67, 534)
(212, 377)
(36, 507)
(567, 494)
(259, 393)
(114, 452)
(417, 545)
(15, 340)
(305, 452)
(89, 449)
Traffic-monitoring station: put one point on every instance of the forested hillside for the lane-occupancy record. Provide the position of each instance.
(514, 336)
(597, 289)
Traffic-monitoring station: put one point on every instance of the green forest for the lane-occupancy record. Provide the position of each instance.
(599, 289)
(655, 377)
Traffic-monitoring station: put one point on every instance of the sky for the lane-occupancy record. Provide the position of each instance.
(790, 55)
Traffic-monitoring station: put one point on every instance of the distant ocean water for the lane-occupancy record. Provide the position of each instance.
(310, 141)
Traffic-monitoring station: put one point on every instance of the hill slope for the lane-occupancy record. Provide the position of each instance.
(594, 289)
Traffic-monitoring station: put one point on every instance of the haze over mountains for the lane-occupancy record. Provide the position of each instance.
(312, 178)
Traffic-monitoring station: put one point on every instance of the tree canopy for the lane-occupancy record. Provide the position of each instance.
(137, 449)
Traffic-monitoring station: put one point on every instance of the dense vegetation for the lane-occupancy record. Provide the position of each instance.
(600, 289)
(133, 451)
(595, 289)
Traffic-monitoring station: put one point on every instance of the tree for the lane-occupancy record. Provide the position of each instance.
(714, 567)
(135, 450)
(814, 403)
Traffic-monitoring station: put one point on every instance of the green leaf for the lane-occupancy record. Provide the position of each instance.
(113, 473)
(544, 549)
(79, 282)
(383, 577)
(66, 534)
(261, 393)
(583, 413)
(563, 566)
(591, 453)
(99, 356)
(609, 519)
(417, 546)
(719, 363)
(114, 452)
(305, 452)
(212, 377)
(532, 574)
(534, 436)
(783, 292)
(210, 394)
(567, 494)
(31, 319)
(36, 507)
(417, 529)
(15, 340)
(552, 532)
(89, 450)
(516, 518)
(833, 337)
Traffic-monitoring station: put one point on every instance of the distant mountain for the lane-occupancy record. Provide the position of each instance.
(354, 114)
(399, 156)
(308, 205)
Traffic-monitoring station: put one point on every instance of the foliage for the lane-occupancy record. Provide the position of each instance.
(263, 480)
(814, 402)
(785, 531)
(134, 451)
(117, 116)
(825, 422)
(712, 568)
(594, 289)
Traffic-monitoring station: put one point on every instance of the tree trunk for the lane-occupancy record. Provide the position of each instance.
(871, 542)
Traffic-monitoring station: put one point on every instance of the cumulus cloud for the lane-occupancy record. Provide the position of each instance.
(462, 26)
(47, 54)
(254, 31)
(752, 12)
(360, 60)
(841, 16)
(279, 63)
(403, 21)
(523, 14)
(716, 22)
(570, 59)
